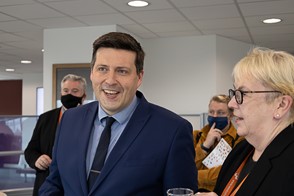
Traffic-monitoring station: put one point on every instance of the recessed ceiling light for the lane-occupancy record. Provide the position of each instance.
(9, 70)
(25, 61)
(272, 20)
(138, 3)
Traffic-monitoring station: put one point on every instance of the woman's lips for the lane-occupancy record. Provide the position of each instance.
(236, 119)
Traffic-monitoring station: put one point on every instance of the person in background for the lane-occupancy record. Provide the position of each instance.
(262, 99)
(151, 148)
(38, 153)
(206, 139)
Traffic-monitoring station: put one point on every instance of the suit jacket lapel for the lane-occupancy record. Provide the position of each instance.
(52, 130)
(133, 128)
(231, 164)
(264, 165)
(87, 120)
(257, 176)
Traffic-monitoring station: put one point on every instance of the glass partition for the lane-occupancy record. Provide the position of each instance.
(198, 121)
(15, 133)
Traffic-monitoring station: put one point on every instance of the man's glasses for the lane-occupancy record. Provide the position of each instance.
(239, 94)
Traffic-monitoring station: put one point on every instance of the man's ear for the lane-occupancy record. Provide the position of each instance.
(84, 97)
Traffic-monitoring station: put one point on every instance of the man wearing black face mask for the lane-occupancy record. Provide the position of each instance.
(205, 140)
(70, 101)
(38, 153)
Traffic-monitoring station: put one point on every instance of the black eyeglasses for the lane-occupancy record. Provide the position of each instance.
(239, 94)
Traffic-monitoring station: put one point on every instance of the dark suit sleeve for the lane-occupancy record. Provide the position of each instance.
(181, 170)
(53, 185)
(43, 137)
(32, 152)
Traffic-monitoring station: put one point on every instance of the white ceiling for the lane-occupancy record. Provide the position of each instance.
(22, 23)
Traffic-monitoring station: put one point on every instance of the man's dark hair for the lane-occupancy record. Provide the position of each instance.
(119, 40)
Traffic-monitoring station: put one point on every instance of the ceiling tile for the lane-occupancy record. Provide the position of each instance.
(237, 32)
(211, 12)
(30, 11)
(57, 22)
(4, 17)
(36, 35)
(170, 15)
(24, 45)
(179, 33)
(219, 23)
(169, 27)
(122, 5)
(17, 26)
(277, 30)
(191, 3)
(268, 7)
(15, 2)
(244, 38)
(22, 22)
(137, 29)
(7, 37)
(273, 37)
(81, 7)
(256, 21)
(147, 35)
(105, 19)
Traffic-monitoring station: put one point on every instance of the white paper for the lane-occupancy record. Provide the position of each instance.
(218, 154)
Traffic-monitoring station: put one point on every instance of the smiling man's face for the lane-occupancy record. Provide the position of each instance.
(114, 78)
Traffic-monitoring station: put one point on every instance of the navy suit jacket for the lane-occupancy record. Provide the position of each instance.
(154, 153)
(42, 143)
(273, 174)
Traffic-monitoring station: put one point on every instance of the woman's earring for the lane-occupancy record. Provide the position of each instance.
(277, 116)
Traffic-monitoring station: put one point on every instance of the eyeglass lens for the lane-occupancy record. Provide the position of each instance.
(238, 95)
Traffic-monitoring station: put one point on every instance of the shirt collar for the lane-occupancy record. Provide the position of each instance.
(121, 116)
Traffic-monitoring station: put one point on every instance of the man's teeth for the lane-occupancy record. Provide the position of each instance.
(110, 92)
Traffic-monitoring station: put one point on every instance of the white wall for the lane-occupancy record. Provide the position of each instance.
(30, 82)
(181, 73)
(9, 76)
(228, 52)
(69, 45)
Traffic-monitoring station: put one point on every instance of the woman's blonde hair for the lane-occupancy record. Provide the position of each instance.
(274, 69)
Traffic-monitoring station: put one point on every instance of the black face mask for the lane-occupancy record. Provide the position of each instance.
(70, 101)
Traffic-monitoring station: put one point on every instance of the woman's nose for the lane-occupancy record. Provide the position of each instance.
(232, 103)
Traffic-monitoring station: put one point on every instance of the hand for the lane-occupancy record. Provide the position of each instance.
(212, 136)
(206, 194)
(43, 162)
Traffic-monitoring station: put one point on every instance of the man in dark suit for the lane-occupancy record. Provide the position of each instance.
(151, 148)
(39, 150)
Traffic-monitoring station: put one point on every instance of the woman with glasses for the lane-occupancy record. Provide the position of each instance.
(205, 140)
(262, 99)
